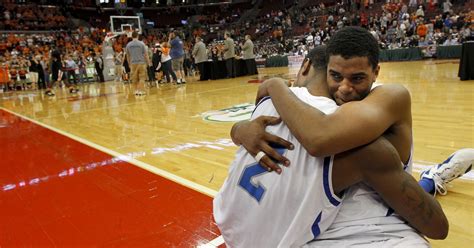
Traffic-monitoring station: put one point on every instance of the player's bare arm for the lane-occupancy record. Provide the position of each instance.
(353, 124)
(378, 165)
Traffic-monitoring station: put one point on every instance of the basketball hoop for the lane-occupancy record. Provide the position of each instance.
(125, 25)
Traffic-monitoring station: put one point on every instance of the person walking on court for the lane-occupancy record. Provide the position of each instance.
(229, 54)
(118, 58)
(166, 63)
(138, 60)
(55, 68)
(99, 67)
(36, 72)
(249, 56)
(177, 56)
(200, 56)
(70, 68)
(156, 63)
(150, 70)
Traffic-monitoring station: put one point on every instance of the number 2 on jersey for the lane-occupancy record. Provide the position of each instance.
(253, 170)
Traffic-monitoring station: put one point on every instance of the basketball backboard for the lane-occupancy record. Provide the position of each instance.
(124, 24)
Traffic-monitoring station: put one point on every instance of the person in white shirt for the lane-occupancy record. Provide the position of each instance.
(70, 71)
(447, 7)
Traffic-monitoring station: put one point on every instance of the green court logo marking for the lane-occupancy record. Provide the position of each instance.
(235, 113)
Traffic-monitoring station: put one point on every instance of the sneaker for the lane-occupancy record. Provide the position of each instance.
(455, 166)
(49, 93)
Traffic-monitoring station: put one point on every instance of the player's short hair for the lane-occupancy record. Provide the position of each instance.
(350, 42)
(134, 34)
(318, 58)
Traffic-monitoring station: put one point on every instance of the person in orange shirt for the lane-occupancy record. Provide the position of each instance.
(422, 30)
(3, 72)
(26, 51)
(3, 47)
(13, 76)
(12, 39)
(23, 70)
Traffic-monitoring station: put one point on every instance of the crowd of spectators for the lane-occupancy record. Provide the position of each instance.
(393, 24)
(292, 30)
(295, 30)
(18, 51)
(31, 17)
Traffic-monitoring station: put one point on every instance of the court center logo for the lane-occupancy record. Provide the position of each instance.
(235, 113)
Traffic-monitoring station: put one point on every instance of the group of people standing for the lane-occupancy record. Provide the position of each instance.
(228, 49)
(145, 63)
(167, 59)
(42, 71)
(137, 62)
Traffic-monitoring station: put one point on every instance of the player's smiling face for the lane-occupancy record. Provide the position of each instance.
(350, 79)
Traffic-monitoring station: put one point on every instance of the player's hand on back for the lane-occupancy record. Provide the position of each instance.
(254, 138)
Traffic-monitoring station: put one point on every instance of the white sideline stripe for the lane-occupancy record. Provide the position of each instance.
(213, 243)
(143, 165)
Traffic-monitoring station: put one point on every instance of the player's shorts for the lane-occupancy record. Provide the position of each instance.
(372, 236)
(177, 64)
(138, 73)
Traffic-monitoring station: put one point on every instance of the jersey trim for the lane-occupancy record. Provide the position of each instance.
(327, 168)
(405, 166)
(315, 227)
(390, 211)
(261, 101)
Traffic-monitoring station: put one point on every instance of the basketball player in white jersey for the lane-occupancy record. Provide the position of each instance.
(248, 208)
(353, 67)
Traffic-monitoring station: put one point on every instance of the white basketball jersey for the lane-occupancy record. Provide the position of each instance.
(363, 206)
(363, 203)
(256, 208)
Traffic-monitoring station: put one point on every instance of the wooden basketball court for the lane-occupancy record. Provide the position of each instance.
(182, 134)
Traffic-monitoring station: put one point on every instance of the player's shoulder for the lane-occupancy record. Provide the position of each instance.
(398, 88)
(324, 104)
(390, 98)
(303, 93)
(390, 91)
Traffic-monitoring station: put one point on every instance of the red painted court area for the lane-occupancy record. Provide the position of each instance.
(56, 191)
